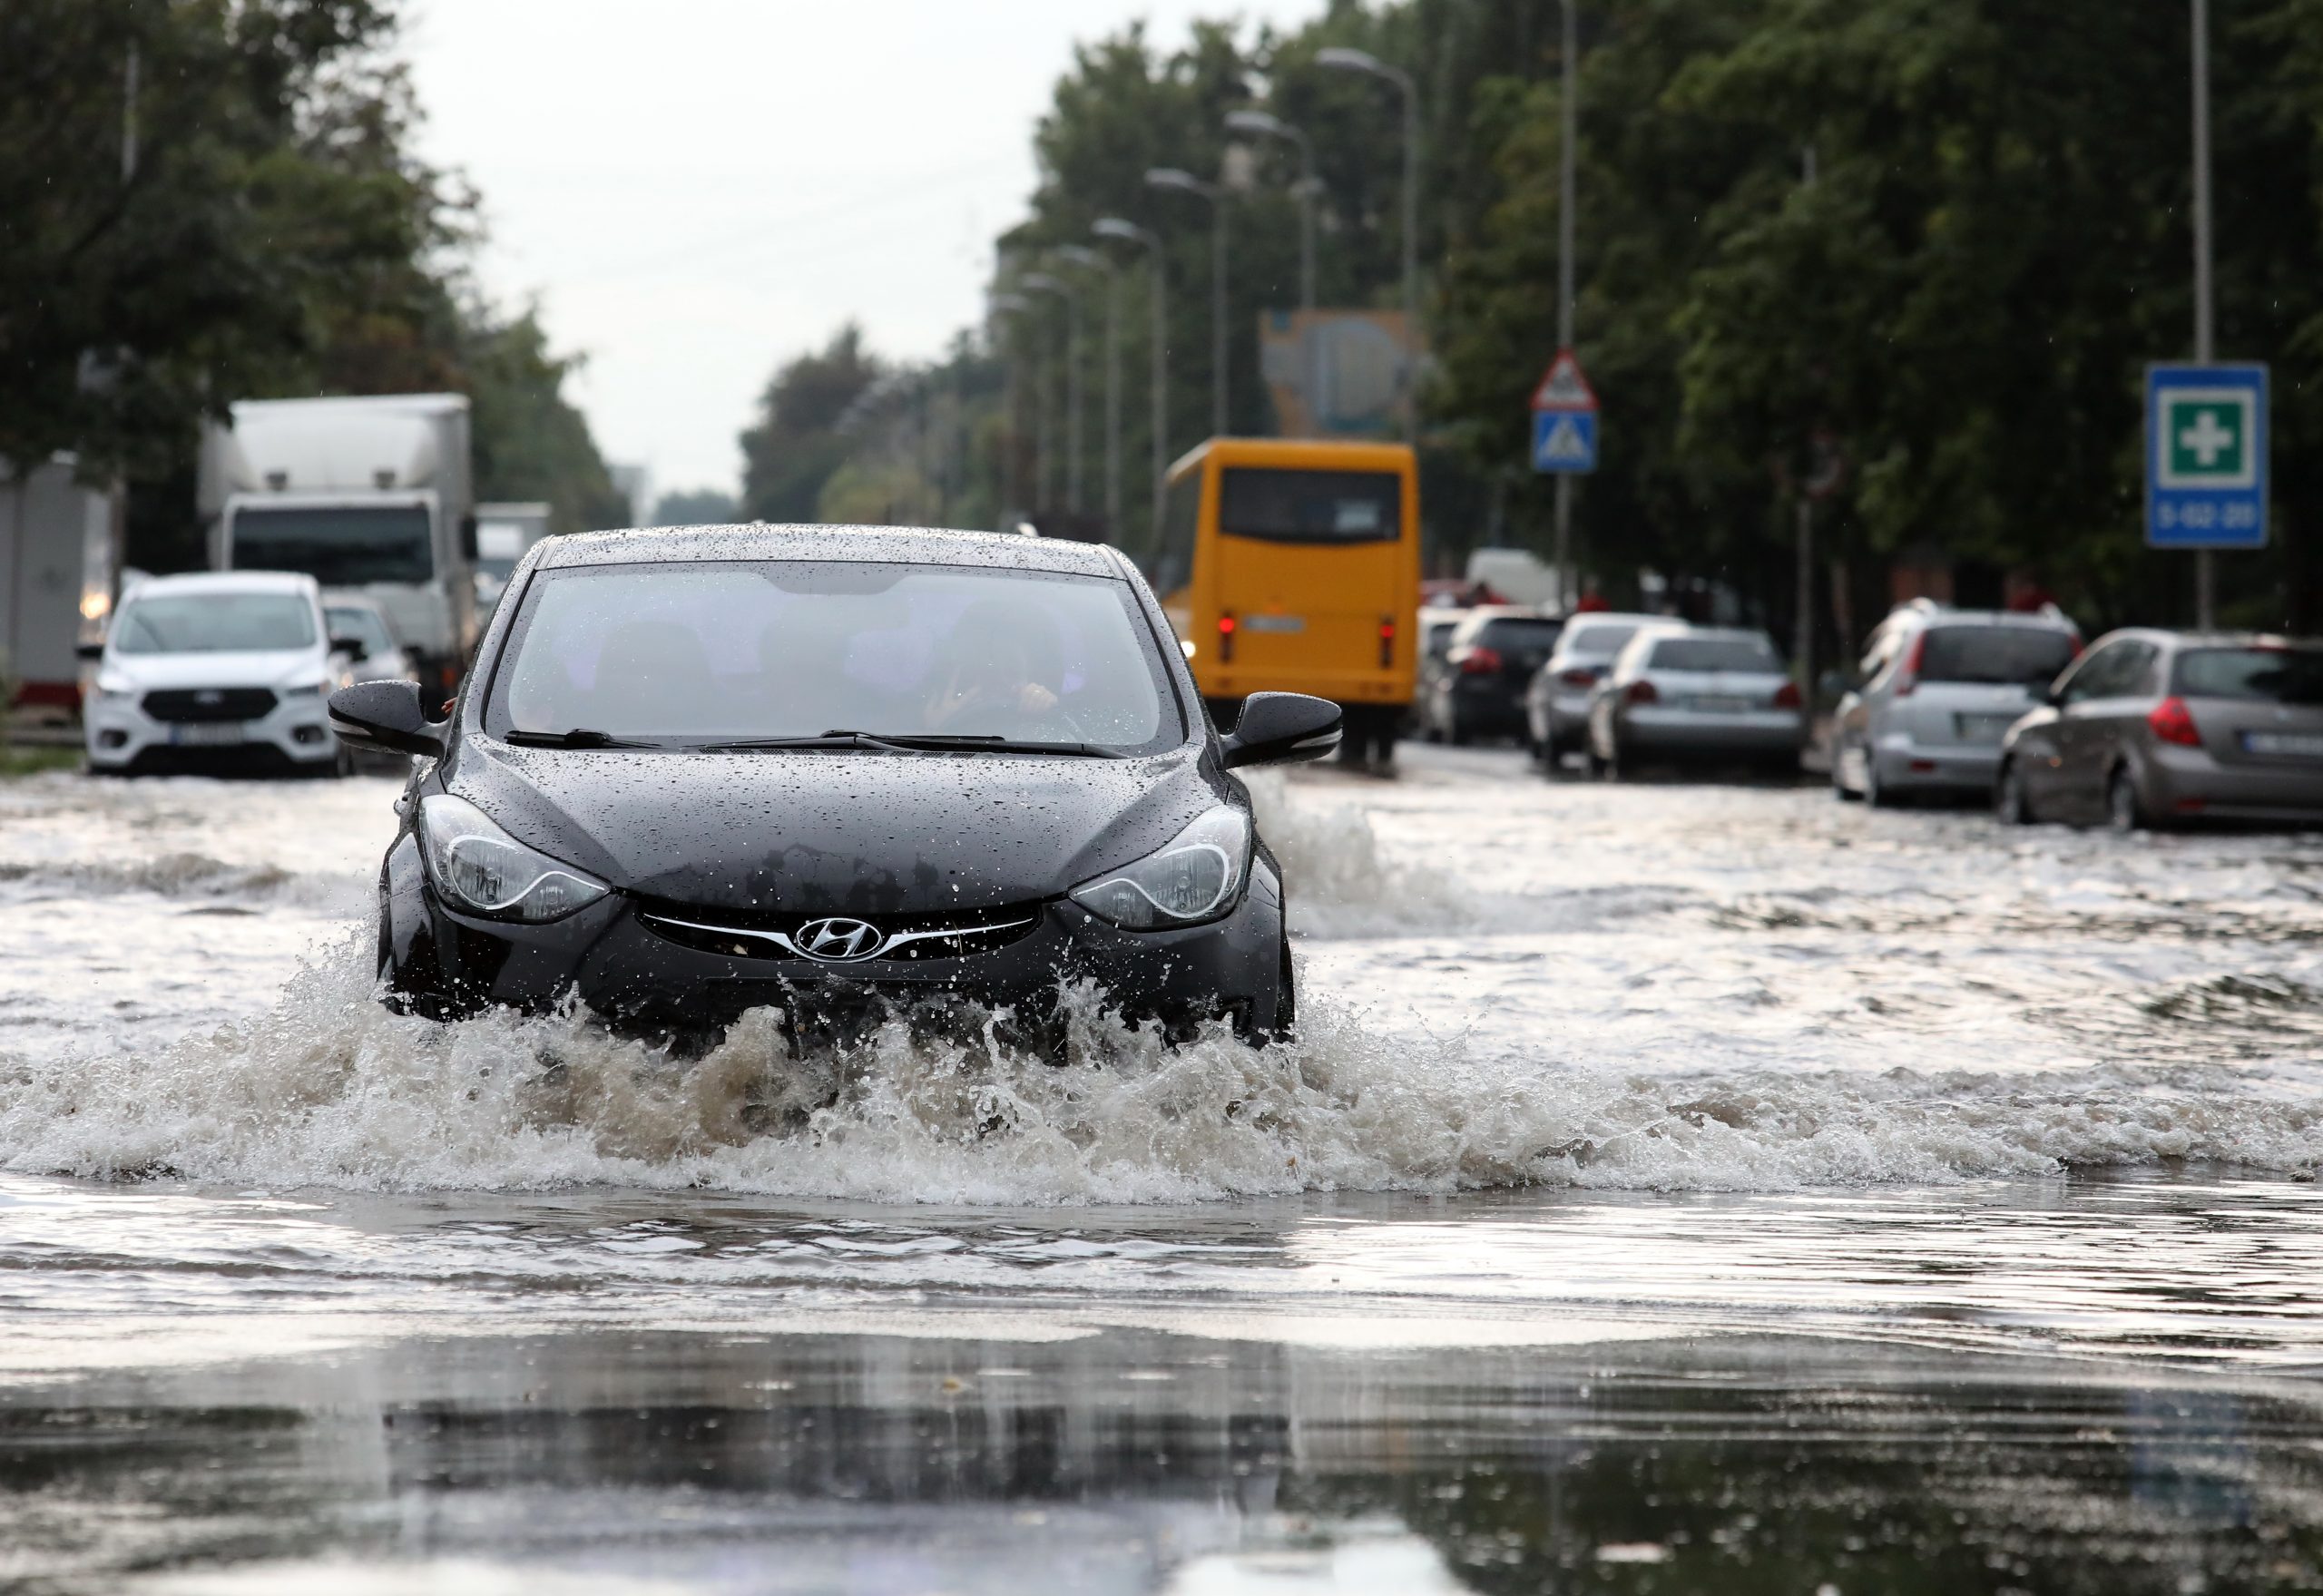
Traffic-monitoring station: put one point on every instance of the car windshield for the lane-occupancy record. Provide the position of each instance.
(1605, 641)
(2280, 676)
(745, 651)
(1715, 653)
(2012, 655)
(362, 625)
(338, 546)
(214, 623)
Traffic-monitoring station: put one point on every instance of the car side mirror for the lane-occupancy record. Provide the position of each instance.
(352, 647)
(89, 650)
(384, 717)
(1283, 729)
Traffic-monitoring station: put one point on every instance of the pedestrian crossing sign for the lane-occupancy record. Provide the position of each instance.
(1565, 419)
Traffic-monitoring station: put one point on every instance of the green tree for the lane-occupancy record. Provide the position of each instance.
(797, 443)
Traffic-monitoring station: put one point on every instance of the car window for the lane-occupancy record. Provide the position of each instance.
(214, 623)
(2031, 656)
(338, 546)
(1714, 654)
(1439, 637)
(1599, 639)
(1518, 631)
(363, 624)
(772, 648)
(2267, 675)
(2111, 672)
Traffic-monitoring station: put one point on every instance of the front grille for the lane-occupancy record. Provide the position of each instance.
(211, 703)
(903, 939)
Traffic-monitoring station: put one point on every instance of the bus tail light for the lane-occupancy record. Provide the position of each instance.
(1387, 641)
(1226, 626)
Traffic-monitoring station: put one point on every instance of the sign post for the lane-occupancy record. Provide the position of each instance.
(2206, 457)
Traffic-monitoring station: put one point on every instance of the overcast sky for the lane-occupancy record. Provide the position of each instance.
(697, 189)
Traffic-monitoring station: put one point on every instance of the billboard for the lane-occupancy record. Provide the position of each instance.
(1337, 374)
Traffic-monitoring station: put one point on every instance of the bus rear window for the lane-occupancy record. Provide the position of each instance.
(1311, 506)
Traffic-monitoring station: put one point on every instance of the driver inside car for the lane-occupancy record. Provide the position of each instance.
(986, 678)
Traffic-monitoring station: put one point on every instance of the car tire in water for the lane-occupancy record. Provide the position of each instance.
(1839, 788)
(2010, 807)
(2125, 810)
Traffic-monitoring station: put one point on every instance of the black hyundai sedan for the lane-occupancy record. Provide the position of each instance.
(837, 771)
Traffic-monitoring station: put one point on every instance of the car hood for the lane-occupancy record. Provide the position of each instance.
(215, 668)
(836, 833)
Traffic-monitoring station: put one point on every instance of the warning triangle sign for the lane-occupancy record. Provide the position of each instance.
(1563, 388)
(1565, 446)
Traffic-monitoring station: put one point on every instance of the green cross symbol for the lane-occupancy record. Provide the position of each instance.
(2205, 438)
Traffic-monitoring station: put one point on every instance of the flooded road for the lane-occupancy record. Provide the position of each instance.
(1675, 1187)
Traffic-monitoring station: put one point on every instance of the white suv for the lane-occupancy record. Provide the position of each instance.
(1937, 690)
(211, 672)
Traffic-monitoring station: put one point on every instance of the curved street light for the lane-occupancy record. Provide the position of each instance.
(1081, 255)
(1186, 182)
(1339, 58)
(1146, 239)
(1267, 125)
(1042, 282)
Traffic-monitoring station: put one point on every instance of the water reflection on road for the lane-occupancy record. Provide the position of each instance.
(1681, 1189)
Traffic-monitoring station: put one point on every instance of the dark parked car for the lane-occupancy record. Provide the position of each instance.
(2161, 728)
(1490, 659)
(836, 772)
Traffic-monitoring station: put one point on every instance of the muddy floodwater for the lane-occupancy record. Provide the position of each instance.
(1683, 1187)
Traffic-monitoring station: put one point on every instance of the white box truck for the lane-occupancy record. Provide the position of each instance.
(371, 494)
(60, 548)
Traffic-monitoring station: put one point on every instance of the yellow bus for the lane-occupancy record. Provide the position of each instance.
(1291, 565)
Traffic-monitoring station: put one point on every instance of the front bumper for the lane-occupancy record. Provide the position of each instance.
(295, 735)
(641, 979)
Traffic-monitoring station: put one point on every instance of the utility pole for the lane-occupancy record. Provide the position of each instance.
(1568, 189)
(2205, 325)
(1042, 282)
(129, 117)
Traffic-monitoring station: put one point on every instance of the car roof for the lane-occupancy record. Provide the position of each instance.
(1506, 613)
(1719, 634)
(907, 545)
(224, 582)
(1623, 617)
(340, 598)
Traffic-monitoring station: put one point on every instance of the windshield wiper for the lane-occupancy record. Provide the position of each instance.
(579, 737)
(908, 742)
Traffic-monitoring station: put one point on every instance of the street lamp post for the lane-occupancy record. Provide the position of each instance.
(1083, 256)
(1568, 201)
(1041, 282)
(1170, 177)
(1114, 227)
(1015, 305)
(1267, 125)
(1346, 60)
(2205, 325)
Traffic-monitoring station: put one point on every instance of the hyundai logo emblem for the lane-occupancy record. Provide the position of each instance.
(837, 941)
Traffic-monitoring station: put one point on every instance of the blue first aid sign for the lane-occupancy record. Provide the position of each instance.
(2206, 456)
(1565, 420)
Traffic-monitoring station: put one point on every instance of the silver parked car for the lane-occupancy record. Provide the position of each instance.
(2158, 728)
(360, 630)
(1556, 703)
(1938, 689)
(1703, 693)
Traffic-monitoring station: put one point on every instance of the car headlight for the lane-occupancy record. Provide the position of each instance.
(1190, 880)
(115, 687)
(488, 872)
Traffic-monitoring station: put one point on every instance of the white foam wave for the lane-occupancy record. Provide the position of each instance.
(179, 876)
(329, 1090)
